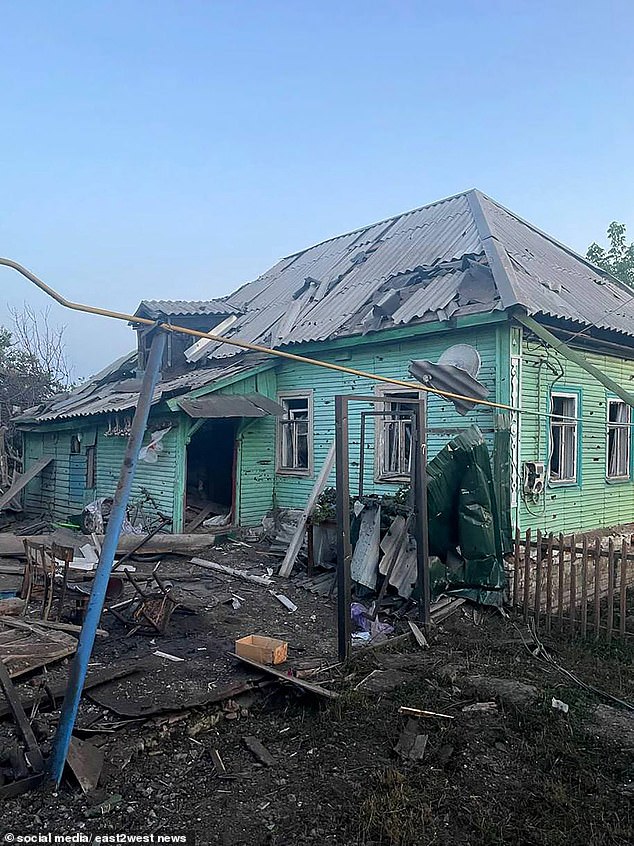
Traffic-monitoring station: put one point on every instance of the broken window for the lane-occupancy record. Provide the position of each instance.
(295, 434)
(563, 437)
(395, 436)
(618, 440)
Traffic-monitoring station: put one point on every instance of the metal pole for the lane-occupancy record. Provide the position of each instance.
(95, 604)
(423, 586)
(344, 550)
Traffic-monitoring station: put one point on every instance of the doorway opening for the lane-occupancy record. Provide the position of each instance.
(211, 474)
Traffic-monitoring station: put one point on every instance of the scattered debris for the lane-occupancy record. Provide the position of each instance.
(219, 766)
(481, 708)
(286, 602)
(13, 606)
(86, 763)
(417, 712)
(558, 705)
(167, 655)
(420, 638)
(285, 677)
(258, 751)
(232, 571)
(412, 744)
(105, 807)
(508, 691)
(24, 648)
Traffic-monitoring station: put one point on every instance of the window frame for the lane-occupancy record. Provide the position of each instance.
(574, 394)
(280, 469)
(388, 393)
(628, 440)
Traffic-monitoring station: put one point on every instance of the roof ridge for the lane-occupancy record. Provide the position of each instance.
(378, 223)
(559, 244)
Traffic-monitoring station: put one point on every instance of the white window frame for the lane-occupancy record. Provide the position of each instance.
(622, 436)
(396, 395)
(564, 423)
(294, 471)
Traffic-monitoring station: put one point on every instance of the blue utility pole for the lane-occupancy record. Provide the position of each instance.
(106, 560)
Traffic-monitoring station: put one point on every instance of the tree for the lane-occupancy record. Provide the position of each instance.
(618, 259)
(33, 363)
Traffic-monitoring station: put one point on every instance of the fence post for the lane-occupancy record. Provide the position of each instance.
(610, 620)
(573, 589)
(516, 567)
(597, 586)
(623, 589)
(549, 582)
(584, 587)
(538, 580)
(560, 587)
(527, 572)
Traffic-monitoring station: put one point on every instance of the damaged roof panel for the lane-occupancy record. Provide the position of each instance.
(184, 308)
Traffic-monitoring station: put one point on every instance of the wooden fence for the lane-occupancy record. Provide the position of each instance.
(579, 585)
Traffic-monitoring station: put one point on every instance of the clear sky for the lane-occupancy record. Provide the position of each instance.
(176, 149)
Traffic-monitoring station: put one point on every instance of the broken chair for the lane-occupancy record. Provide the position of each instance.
(150, 608)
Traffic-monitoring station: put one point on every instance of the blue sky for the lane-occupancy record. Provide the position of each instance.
(177, 149)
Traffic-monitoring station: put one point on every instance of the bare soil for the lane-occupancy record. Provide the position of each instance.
(519, 773)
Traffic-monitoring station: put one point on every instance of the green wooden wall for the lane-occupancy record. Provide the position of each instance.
(593, 502)
(387, 359)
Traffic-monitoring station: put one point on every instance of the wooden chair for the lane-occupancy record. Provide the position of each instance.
(46, 576)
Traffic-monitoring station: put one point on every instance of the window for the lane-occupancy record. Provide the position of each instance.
(563, 437)
(394, 442)
(91, 467)
(294, 452)
(618, 440)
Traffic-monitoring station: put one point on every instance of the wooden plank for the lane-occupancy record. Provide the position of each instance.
(27, 650)
(200, 518)
(560, 585)
(420, 638)
(296, 542)
(610, 620)
(265, 581)
(527, 572)
(584, 587)
(549, 583)
(516, 567)
(597, 586)
(623, 589)
(282, 676)
(21, 481)
(538, 580)
(33, 752)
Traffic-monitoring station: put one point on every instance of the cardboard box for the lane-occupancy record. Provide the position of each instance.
(264, 650)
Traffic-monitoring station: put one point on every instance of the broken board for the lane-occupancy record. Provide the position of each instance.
(282, 676)
(23, 480)
(23, 651)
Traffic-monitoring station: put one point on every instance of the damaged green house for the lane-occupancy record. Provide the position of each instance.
(236, 433)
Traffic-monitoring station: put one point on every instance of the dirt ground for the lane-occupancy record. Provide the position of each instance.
(519, 772)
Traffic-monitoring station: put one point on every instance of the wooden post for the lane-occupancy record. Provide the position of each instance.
(549, 582)
(527, 572)
(573, 589)
(516, 567)
(623, 589)
(584, 587)
(610, 621)
(560, 586)
(597, 586)
(538, 580)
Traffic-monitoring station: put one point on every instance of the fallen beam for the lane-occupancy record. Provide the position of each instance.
(12, 546)
(304, 685)
(232, 571)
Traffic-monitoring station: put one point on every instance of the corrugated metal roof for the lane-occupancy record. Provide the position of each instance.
(123, 393)
(183, 308)
(553, 280)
